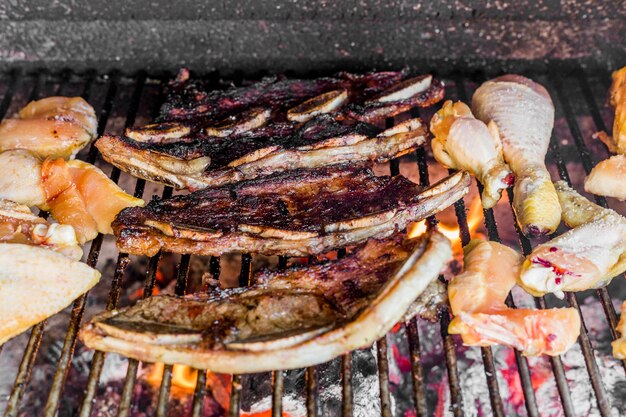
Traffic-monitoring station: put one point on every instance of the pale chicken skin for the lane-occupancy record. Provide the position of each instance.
(463, 142)
(21, 178)
(477, 298)
(56, 127)
(607, 178)
(19, 225)
(74, 192)
(36, 283)
(619, 345)
(588, 256)
(523, 113)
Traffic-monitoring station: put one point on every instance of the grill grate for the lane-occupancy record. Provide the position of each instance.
(127, 98)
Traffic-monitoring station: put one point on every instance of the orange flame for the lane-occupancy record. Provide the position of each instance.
(183, 377)
(474, 219)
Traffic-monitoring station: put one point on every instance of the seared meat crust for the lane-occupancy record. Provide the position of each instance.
(290, 319)
(208, 138)
(295, 213)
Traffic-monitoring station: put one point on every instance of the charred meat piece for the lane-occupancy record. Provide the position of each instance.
(210, 161)
(295, 213)
(209, 137)
(198, 102)
(291, 319)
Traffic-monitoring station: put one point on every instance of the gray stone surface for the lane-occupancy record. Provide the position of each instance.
(251, 35)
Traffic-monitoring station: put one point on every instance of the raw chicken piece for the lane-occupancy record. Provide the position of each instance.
(56, 127)
(588, 256)
(524, 115)
(607, 178)
(463, 142)
(80, 194)
(21, 178)
(482, 318)
(76, 193)
(19, 225)
(37, 283)
(619, 345)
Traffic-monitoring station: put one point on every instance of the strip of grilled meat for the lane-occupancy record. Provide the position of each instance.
(211, 162)
(199, 102)
(210, 138)
(300, 317)
(295, 213)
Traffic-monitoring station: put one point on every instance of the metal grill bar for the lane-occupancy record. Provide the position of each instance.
(592, 367)
(603, 293)
(487, 355)
(166, 380)
(199, 393)
(311, 374)
(278, 385)
(311, 391)
(123, 260)
(448, 344)
(383, 376)
(522, 362)
(417, 373)
(346, 385)
(235, 396)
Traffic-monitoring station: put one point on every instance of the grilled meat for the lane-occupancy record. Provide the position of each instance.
(196, 102)
(37, 283)
(294, 213)
(210, 138)
(291, 319)
(201, 162)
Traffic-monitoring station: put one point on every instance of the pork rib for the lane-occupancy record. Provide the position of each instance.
(296, 213)
(300, 317)
(210, 138)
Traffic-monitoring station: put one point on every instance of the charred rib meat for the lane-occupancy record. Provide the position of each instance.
(291, 319)
(294, 213)
(209, 138)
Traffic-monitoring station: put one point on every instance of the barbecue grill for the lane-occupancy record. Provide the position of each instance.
(121, 99)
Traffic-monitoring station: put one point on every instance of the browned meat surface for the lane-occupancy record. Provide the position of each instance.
(298, 317)
(207, 138)
(293, 213)
(196, 101)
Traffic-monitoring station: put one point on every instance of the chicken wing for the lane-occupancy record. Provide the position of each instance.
(463, 142)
